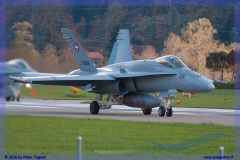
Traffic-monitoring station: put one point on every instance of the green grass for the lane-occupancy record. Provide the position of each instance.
(57, 135)
(219, 98)
(55, 92)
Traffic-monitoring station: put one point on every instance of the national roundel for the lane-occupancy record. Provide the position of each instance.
(76, 47)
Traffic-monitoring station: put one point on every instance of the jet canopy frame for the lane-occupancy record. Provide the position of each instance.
(171, 61)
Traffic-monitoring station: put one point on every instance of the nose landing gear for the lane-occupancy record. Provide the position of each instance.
(169, 112)
(165, 107)
(162, 110)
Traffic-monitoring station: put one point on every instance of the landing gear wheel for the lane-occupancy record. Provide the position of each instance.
(161, 111)
(18, 99)
(94, 107)
(169, 112)
(8, 98)
(147, 111)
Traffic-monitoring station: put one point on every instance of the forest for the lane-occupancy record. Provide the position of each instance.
(192, 33)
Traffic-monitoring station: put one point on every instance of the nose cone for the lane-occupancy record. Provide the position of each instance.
(211, 87)
(202, 84)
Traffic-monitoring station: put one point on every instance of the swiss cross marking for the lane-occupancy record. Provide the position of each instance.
(76, 47)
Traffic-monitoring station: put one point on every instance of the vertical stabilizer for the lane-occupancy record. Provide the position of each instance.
(121, 49)
(113, 54)
(83, 61)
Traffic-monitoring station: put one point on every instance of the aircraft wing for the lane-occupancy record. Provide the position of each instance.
(67, 80)
(81, 80)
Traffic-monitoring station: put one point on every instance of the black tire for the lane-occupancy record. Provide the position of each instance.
(161, 111)
(147, 111)
(8, 98)
(18, 99)
(94, 107)
(169, 112)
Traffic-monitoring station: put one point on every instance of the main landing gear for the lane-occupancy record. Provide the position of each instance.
(147, 111)
(12, 98)
(95, 106)
(162, 111)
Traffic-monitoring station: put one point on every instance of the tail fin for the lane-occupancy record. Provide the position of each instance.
(121, 49)
(113, 55)
(83, 61)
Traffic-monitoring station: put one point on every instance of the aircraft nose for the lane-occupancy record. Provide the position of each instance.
(201, 85)
(211, 87)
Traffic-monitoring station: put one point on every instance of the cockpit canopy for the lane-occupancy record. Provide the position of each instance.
(20, 64)
(170, 61)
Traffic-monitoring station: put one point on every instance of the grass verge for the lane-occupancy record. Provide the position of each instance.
(219, 98)
(57, 135)
(55, 92)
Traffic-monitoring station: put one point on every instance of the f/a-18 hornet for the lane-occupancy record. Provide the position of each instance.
(126, 81)
(9, 89)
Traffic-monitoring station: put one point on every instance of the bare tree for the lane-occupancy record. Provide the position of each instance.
(198, 36)
(50, 50)
(221, 47)
(149, 52)
(23, 37)
(173, 45)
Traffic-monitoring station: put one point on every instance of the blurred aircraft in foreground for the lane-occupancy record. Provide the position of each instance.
(11, 90)
(126, 81)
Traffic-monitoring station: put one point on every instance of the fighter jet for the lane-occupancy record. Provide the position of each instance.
(126, 81)
(11, 90)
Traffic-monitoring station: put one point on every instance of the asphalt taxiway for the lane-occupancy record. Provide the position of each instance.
(76, 109)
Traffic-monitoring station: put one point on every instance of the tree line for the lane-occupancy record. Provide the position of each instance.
(185, 31)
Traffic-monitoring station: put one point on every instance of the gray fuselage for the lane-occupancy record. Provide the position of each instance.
(180, 78)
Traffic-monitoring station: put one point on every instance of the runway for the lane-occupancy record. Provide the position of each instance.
(75, 109)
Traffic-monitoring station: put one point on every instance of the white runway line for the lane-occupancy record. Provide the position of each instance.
(30, 106)
(51, 104)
